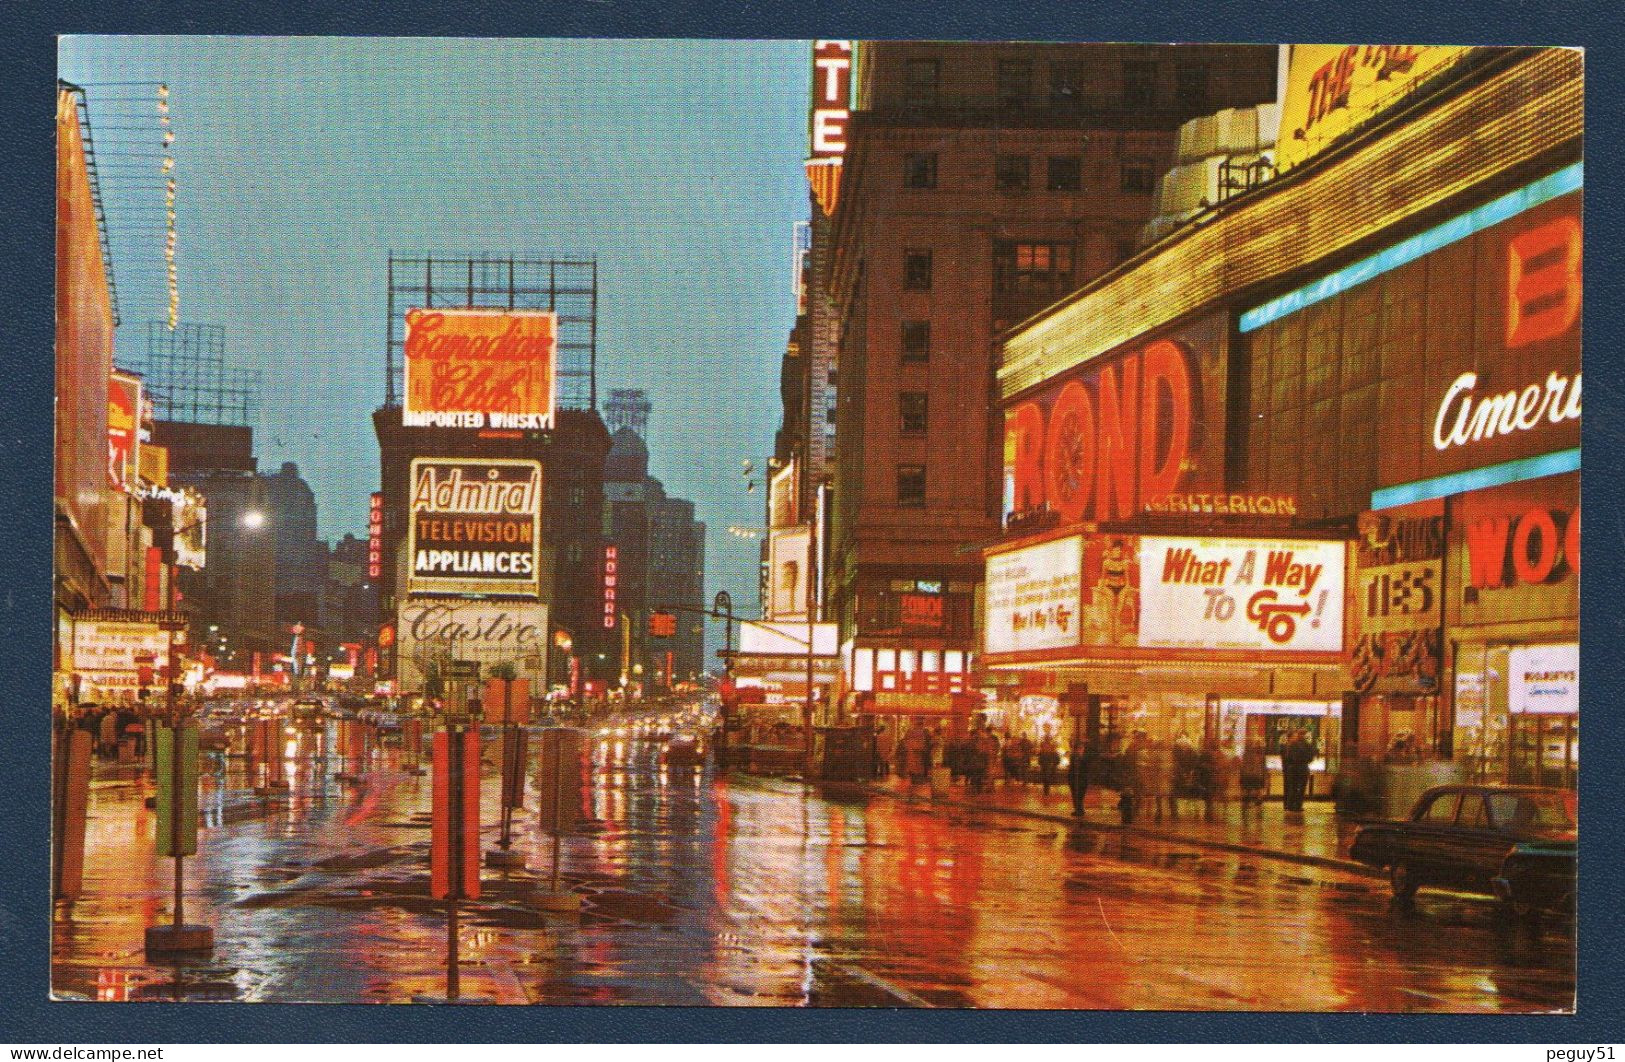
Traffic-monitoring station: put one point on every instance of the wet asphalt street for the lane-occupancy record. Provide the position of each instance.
(700, 889)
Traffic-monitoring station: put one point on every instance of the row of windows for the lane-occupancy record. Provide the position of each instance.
(1014, 173)
(922, 79)
(1019, 268)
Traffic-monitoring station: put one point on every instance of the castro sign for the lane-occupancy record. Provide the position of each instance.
(490, 633)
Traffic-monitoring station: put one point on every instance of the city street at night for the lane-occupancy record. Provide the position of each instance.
(701, 888)
(828, 523)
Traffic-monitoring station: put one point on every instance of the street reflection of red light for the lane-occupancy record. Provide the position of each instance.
(721, 838)
(112, 986)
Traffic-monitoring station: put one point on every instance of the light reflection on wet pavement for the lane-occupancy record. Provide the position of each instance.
(701, 889)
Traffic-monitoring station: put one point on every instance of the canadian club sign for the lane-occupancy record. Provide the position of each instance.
(477, 368)
(475, 526)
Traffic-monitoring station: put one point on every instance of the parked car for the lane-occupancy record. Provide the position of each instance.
(1516, 843)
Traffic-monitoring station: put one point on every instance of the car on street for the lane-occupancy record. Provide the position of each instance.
(309, 710)
(684, 750)
(1516, 843)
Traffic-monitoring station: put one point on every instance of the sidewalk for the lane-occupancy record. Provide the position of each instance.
(1317, 837)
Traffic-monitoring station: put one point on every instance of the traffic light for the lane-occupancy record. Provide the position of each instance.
(662, 624)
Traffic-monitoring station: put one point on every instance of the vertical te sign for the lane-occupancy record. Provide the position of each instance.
(832, 97)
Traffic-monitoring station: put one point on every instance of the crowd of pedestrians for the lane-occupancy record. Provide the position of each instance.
(1153, 779)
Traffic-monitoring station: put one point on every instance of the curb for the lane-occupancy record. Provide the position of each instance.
(1344, 865)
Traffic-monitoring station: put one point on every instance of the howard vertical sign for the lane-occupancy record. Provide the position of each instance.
(474, 527)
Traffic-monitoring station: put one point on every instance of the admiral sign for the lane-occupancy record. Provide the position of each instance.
(474, 527)
(479, 368)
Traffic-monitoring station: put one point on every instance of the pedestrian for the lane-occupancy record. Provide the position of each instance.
(1159, 778)
(1255, 777)
(983, 750)
(914, 763)
(1296, 756)
(1130, 769)
(1210, 778)
(1017, 751)
(1078, 766)
(1049, 758)
(1186, 759)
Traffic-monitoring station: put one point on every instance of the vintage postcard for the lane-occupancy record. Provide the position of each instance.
(820, 523)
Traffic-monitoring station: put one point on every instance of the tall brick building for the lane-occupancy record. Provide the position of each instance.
(979, 183)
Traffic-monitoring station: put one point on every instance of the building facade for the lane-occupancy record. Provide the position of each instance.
(659, 561)
(1313, 463)
(978, 183)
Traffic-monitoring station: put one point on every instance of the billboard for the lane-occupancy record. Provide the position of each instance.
(474, 527)
(123, 432)
(787, 549)
(1120, 436)
(478, 368)
(1544, 679)
(115, 655)
(433, 633)
(1034, 596)
(1265, 595)
(1143, 597)
(190, 519)
(1333, 89)
(1399, 599)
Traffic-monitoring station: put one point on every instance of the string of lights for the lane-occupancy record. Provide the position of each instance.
(137, 153)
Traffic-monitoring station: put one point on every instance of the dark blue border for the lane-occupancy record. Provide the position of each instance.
(25, 440)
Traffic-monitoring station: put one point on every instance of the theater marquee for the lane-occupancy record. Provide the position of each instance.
(475, 527)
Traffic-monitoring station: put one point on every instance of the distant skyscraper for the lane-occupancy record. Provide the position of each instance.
(660, 557)
(301, 558)
(628, 408)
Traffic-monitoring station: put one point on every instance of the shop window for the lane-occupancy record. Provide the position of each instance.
(1012, 173)
(1139, 84)
(1015, 83)
(920, 169)
(1021, 268)
(1139, 177)
(911, 486)
(1065, 173)
(916, 340)
(911, 407)
(916, 270)
(920, 78)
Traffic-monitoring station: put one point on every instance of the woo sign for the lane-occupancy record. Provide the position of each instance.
(478, 368)
(474, 526)
(1249, 594)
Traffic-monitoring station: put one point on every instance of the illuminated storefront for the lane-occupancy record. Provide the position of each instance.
(1393, 375)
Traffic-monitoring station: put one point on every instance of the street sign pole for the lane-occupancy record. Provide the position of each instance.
(177, 828)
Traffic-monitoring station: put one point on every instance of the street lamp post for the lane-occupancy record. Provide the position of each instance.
(179, 937)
